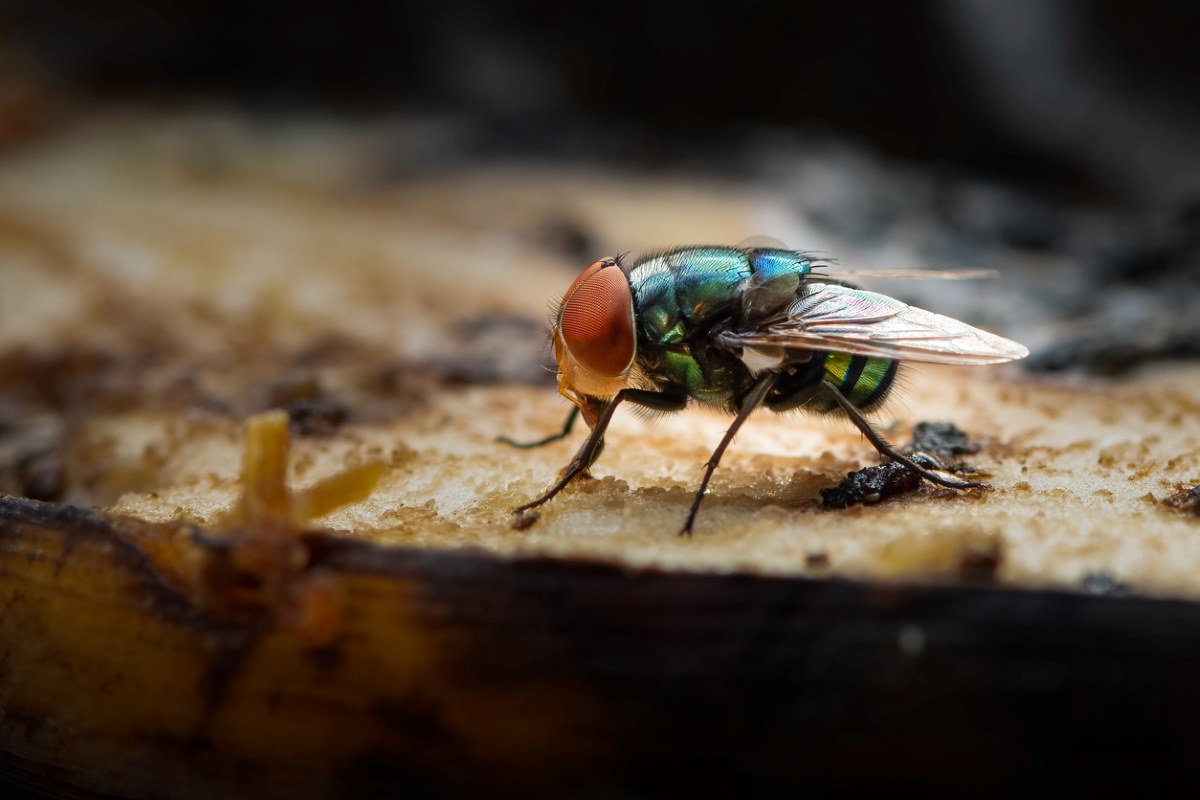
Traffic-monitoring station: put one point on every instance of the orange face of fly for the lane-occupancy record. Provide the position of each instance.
(594, 340)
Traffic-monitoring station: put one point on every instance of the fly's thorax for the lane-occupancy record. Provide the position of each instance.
(684, 298)
(777, 276)
(683, 292)
(593, 333)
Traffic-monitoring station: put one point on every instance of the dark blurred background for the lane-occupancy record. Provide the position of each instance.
(1094, 100)
(1008, 128)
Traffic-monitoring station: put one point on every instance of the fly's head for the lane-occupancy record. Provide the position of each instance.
(594, 337)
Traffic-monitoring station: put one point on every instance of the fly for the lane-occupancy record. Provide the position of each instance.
(737, 328)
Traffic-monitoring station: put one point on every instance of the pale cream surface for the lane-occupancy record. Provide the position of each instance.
(108, 237)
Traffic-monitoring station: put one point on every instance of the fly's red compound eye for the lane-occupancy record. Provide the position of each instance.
(596, 320)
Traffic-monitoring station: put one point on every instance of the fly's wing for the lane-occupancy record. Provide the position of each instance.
(846, 320)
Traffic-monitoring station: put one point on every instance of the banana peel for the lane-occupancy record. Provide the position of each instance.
(116, 677)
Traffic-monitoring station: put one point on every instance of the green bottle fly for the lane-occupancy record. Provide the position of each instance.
(738, 328)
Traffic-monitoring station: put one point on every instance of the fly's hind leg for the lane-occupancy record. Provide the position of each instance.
(880, 444)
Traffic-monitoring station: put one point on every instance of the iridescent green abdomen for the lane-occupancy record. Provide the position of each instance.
(864, 381)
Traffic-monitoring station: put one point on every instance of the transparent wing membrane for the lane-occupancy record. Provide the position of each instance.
(846, 320)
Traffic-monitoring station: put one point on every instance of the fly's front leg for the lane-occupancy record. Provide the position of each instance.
(880, 444)
(583, 459)
(564, 433)
(590, 450)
